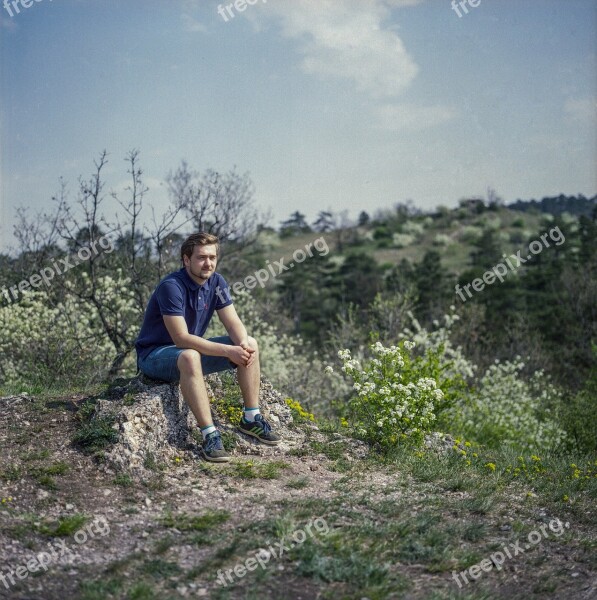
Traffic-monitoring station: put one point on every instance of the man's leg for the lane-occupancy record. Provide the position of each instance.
(253, 423)
(249, 379)
(192, 386)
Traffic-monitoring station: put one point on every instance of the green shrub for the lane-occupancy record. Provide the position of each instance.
(96, 434)
(381, 232)
(507, 410)
(395, 397)
(579, 417)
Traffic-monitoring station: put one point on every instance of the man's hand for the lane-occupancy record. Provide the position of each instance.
(242, 355)
(245, 346)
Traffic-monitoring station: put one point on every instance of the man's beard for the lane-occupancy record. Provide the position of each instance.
(200, 276)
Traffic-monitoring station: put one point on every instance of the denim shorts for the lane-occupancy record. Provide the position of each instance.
(161, 362)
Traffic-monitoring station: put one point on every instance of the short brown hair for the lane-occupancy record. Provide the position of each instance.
(198, 239)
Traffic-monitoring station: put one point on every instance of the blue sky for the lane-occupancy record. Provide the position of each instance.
(340, 104)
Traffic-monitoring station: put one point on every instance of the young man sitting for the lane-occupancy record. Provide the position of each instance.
(170, 345)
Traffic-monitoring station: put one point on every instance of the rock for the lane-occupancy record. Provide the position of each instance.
(441, 442)
(155, 425)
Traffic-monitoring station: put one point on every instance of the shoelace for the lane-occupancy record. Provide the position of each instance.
(214, 442)
(266, 426)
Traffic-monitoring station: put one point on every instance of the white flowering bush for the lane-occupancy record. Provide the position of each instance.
(453, 362)
(50, 344)
(402, 240)
(394, 399)
(64, 342)
(507, 410)
(441, 239)
(491, 223)
(413, 228)
(470, 234)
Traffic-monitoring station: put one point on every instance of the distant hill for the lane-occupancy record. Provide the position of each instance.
(575, 205)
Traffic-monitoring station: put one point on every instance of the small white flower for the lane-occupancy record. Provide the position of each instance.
(329, 370)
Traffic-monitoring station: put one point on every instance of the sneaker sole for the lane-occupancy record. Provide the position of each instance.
(218, 459)
(268, 442)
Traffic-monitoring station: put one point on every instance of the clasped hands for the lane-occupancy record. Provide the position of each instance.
(242, 355)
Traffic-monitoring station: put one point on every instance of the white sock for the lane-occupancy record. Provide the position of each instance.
(207, 430)
(251, 413)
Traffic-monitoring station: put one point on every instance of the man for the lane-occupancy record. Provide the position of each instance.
(170, 345)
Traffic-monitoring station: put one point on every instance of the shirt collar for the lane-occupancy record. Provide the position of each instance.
(193, 285)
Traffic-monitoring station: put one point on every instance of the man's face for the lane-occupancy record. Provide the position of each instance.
(202, 264)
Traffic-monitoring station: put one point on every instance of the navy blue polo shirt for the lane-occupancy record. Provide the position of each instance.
(178, 295)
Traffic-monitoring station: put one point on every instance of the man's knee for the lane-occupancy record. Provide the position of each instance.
(189, 362)
(253, 343)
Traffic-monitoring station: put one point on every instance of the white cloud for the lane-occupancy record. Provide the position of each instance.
(346, 39)
(6, 23)
(581, 109)
(400, 117)
(192, 24)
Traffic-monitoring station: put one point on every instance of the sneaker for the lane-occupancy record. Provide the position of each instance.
(213, 449)
(260, 429)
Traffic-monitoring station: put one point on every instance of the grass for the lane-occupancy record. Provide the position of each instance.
(150, 462)
(28, 524)
(11, 473)
(249, 469)
(44, 475)
(94, 434)
(99, 589)
(160, 569)
(229, 405)
(298, 484)
(35, 455)
(141, 591)
(186, 522)
(123, 480)
(64, 527)
(164, 544)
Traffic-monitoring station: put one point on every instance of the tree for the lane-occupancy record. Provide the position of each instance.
(221, 204)
(493, 200)
(364, 218)
(358, 280)
(488, 250)
(324, 221)
(432, 286)
(295, 225)
(306, 295)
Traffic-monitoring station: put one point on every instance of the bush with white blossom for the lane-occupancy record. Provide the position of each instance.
(402, 240)
(508, 410)
(47, 341)
(394, 399)
(413, 228)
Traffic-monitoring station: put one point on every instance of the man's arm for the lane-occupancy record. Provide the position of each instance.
(179, 332)
(236, 330)
(234, 326)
